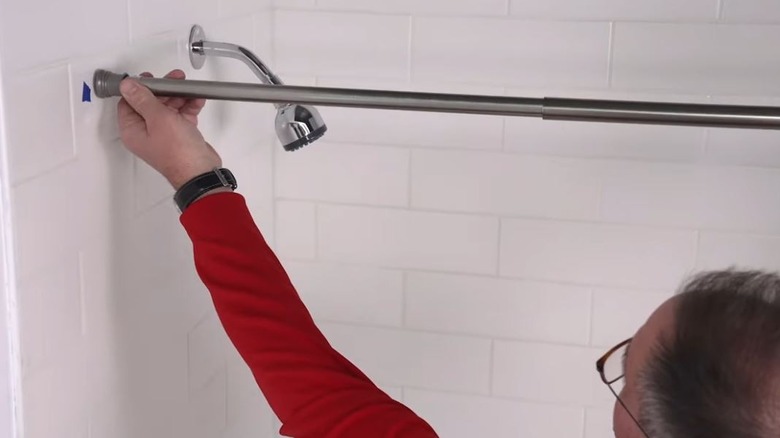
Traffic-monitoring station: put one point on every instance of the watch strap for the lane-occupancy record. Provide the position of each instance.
(202, 184)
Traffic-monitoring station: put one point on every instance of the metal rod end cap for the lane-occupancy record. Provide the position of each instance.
(106, 83)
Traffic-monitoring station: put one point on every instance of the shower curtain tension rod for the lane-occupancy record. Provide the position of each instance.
(299, 123)
(106, 84)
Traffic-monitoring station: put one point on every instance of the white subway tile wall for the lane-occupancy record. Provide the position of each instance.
(407, 239)
(658, 10)
(598, 423)
(597, 254)
(296, 230)
(118, 338)
(248, 413)
(49, 142)
(748, 148)
(375, 175)
(394, 128)
(599, 140)
(474, 266)
(511, 52)
(728, 250)
(461, 416)
(350, 293)
(506, 184)
(554, 373)
(407, 358)
(431, 7)
(342, 44)
(618, 313)
(704, 58)
(500, 308)
(39, 33)
(751, 11)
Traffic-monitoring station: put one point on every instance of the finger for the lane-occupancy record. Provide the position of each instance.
(175, 102)
(126, 114)
(146, 74)
(173, 74)
(193, 107)
(176, 74)
(142, 100)
(129, 121)
(212, 149)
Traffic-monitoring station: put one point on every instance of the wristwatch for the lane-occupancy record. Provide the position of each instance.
(202, 184)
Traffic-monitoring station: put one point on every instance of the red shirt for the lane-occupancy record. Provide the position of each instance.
(315, 391)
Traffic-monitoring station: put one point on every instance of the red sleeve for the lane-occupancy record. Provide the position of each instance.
(314, 390)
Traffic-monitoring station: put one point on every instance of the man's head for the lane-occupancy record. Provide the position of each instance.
(707, 362)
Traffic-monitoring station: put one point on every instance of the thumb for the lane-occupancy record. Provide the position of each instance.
(141, 99)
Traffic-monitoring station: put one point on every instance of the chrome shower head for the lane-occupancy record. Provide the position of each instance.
(298, 125)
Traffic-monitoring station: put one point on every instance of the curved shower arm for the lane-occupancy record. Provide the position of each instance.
(200, 48)
(234, 51)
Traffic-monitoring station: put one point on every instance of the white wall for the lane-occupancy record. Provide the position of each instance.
(474, 266)
(118, 337)
(478, 266)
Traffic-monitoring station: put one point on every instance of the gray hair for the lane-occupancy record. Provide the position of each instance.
(718, 373)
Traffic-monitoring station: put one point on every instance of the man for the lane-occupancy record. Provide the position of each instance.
(705, 364)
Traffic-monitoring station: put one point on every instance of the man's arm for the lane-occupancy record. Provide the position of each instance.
(314, 390)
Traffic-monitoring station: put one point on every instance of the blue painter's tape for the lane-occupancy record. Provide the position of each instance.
(86, 93)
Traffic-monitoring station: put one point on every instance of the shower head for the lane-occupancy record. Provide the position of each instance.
(296, 125)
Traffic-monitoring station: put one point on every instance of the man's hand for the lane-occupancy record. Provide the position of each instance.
(163, 132)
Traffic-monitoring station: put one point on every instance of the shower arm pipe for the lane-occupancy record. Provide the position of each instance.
(234, 51)
(589, 110)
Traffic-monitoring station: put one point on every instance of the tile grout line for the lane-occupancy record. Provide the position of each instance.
(591, 319)
(346, 264)
(563, 221)
(410, 48)
(504, 128)
(460, 335)
(504, 15)
(272, 33)
(510, 153)
(409, 181)
(610, 54)
(516, 278)
(227, 394)
(82, 294)
(72, 97)
(129, 10)
(316, 232)
(273, 145)
(404, 299)
(510, 399)
(491, 367)
(498, 249)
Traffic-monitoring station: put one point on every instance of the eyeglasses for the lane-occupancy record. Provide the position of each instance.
(612, 368)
